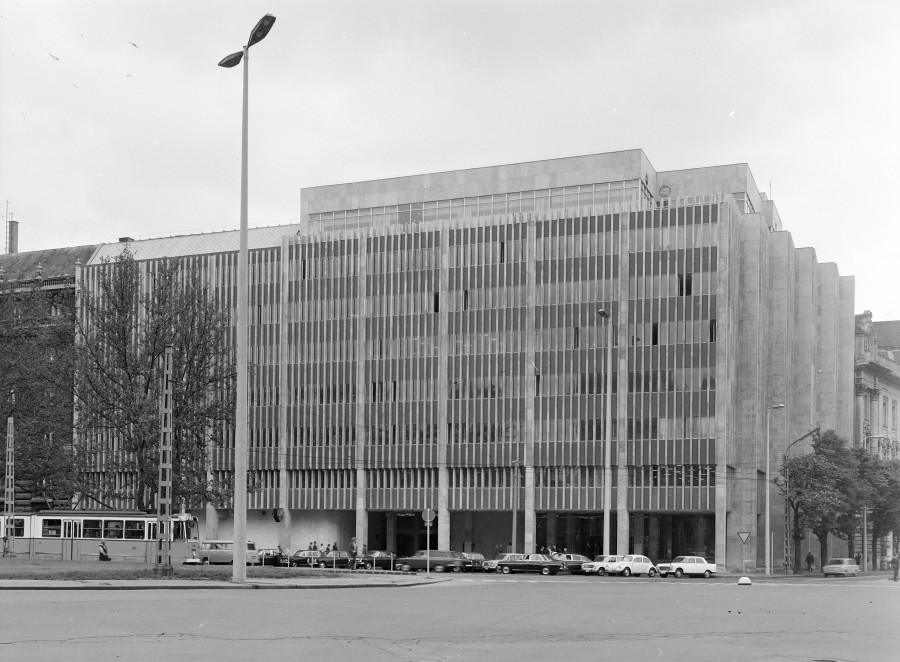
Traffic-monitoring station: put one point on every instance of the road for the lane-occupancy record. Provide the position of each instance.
(467, 617)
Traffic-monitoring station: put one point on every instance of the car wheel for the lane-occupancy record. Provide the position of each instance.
(545, 570)
(627, 572)
(367, 565)
(293, 564)
(204, 562)
(323, 565)
(505, 570)
(678, 572)
(601, 572)
(405, 567)
(457, 569)
(438, 568)
(707, 574)
(651, 572)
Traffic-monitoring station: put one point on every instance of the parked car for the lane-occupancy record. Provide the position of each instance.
(694, 566)
(529, 563)
(439, 560)
(272, 557)
(600, 565)
(475, 561)
(336, 559)
(492, 565)
(572, 563)
(305, 557)
(843, 567)
(378, 559)
(222, 551)
(633, 564)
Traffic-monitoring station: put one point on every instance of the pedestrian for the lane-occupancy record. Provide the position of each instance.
(509, 546)
(102, 551)
(334, 547)
(810, 561)
(310, 547)
(315, 546)
(327, 548)
(895, 564)
(857, 558)
(351, 548)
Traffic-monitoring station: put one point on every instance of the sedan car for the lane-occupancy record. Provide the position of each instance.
(600, 565)
(633, 564)
(305, 557)
(843, 567)
(572, 563)
(272, 557)
(529, 563)
(693, 566)
(337, 559)
(474, 561)
(378, 559)
(439, 560)
(492, 565)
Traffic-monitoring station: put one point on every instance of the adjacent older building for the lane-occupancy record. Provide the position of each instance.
(436, 342)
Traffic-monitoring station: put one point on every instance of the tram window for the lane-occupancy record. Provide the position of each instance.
(50, 528)
(93, 528)
(18, 527)
(112, 528)
(134, 530)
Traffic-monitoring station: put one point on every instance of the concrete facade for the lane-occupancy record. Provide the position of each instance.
(434, 342)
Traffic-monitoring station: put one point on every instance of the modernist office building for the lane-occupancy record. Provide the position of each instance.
(436, 341)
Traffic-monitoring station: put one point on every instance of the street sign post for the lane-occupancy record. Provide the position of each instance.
(428, 515)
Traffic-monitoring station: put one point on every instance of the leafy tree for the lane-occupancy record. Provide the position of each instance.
(36, 330)
(879, 483)
(820, 490)
(128, 317)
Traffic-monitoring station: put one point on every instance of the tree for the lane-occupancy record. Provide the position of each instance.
(819, 488)
(879, 485)
(36, 330)
(129, 315)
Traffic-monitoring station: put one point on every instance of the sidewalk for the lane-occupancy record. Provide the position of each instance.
(356, 580)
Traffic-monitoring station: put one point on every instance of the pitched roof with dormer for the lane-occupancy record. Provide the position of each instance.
(49, 263)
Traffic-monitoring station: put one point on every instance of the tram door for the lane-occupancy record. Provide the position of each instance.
(71, 535)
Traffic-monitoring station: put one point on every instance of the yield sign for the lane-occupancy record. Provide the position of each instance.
(745, 536)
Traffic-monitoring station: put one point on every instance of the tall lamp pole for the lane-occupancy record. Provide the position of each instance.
(607, 431)
(768, 486)
(239, 565)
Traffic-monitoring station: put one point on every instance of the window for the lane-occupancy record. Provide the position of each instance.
(50, 528)
(93, 528)
(134, 530)
(112, 528)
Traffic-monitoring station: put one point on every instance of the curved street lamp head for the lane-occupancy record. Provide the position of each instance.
(232, 60)
(602, 313)
(261, 29)
(781, 406)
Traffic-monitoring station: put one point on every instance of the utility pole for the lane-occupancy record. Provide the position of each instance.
(9, 491)
(164, 488)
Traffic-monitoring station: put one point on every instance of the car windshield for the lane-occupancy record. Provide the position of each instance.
(836, 562)
(679, 559)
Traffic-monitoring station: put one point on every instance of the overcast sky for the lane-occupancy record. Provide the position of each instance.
(116, 121)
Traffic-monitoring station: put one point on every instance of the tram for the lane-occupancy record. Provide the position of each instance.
(74, 535)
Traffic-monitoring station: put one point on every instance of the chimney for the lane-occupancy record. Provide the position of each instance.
(12, 236)
(125, 240)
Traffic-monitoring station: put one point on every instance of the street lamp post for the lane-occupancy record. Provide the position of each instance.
(768, 486)
(515, 503)
(607, 431)
(242, 319)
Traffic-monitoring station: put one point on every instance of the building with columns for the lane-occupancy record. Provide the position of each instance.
(436, 341)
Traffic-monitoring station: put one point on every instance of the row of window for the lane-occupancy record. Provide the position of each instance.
(677, 379)
(680, 332)
(690, 235)
(541, 200)
(673, 285)
(478, 254)
(672, 475)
